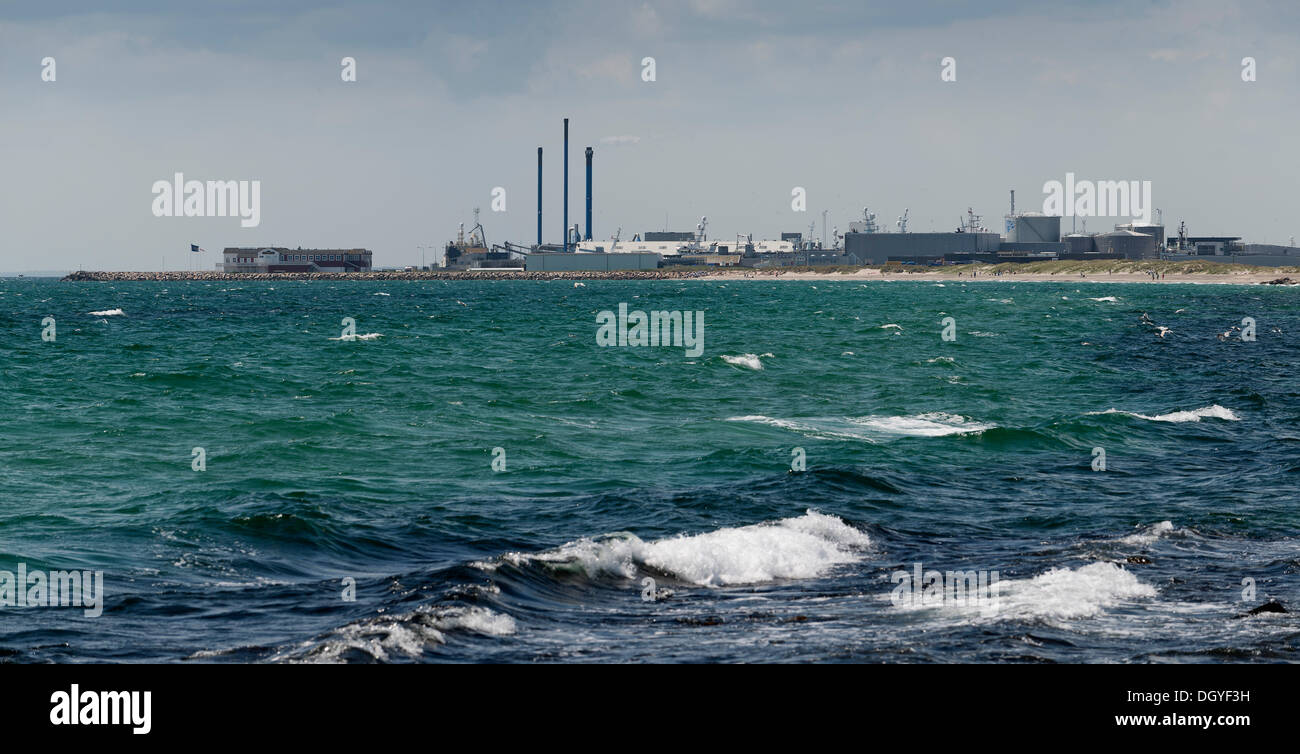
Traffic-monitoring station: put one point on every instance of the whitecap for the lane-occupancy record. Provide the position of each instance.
(792, 548)
(1208, 412)
(744, 360)
(1069, 592)
(874, 428)
(1149, 534)
(108, 313)
(367, 336)
(410, 634)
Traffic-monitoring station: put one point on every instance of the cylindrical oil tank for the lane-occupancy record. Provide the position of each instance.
(1033, 227)
(1155, 231)
(1127, 243)
(1080, 243)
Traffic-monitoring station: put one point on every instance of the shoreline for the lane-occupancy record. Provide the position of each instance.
(1171, 272)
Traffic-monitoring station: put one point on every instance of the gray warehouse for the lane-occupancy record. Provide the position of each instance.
(879, 248)
(585, 262)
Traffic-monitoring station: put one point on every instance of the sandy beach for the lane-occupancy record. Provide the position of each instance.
(1050, 272)
(1259, 276)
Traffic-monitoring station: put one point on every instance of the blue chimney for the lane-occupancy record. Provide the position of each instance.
(588, 193)
(566, 184)
(539, 196)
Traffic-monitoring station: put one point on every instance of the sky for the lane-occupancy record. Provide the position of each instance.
(749, 100)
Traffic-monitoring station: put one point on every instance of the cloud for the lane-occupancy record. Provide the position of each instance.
(620, 141)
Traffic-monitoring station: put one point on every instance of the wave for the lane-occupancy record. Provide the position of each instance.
(1149, 534)
(873, 428)
(746, 360)
(1063, 593)
(791, 548)
(109, 313)
(367, 336)
(410, 634)
(1208, 412)
(1111, 299)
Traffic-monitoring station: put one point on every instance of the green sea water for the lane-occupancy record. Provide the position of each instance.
(473, 477)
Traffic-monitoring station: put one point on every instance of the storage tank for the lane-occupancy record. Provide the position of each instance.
(1127, 243)
(1156, 231)
(1035, 227)
(1080, 243)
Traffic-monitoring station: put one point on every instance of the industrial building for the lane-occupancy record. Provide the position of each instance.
(277, 259)
(1029, 237)
(573, 262)
(919, 248)
(1127, 244)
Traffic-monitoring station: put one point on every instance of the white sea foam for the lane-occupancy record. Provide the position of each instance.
(1208, 412)
(1111, 299)
(410, 634)
(744, 360)
(1063, 593)
(874, 428)
(891, 325)
(792, 548)
(1149, 534)
(367, 336)
(108, 313)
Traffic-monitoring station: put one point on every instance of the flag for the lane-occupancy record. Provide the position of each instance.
(194, 248)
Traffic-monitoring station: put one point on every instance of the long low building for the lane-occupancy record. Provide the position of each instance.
(277, 259)
(584, 262)
(880, 248)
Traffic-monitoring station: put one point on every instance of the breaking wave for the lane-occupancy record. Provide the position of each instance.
(387, 638)
(367, 336)
(792, 548)
(875, 428)
(1064, 593)
(1209, 412)
(746, 360)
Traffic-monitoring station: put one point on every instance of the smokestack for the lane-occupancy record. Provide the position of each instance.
(566, 184)
(588, 193)
(539, 196)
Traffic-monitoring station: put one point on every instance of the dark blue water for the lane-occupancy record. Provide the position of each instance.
(349, 509)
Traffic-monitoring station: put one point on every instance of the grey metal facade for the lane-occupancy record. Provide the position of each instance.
(1080, 243)
(1131, 245)
(878, 248)
(1036, 229)
(562, 262)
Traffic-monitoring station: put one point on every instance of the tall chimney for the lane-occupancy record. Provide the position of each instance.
(588, 193)
(566, 184)
(539, 196)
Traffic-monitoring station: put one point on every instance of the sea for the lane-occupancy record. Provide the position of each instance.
(952, 471)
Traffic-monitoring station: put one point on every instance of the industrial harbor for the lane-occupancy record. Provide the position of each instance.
(1026, 237)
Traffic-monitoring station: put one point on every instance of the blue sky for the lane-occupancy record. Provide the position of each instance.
(751, 100)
